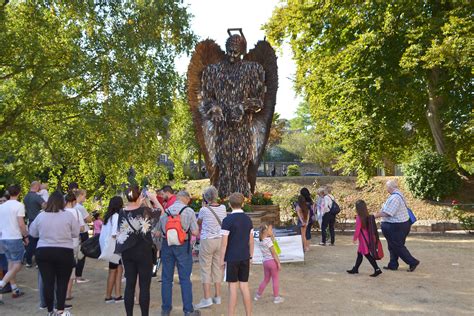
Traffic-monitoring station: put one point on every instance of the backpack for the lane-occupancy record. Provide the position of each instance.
(174, 232)
(335, 209)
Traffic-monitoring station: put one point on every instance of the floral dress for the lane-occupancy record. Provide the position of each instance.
(135, 226)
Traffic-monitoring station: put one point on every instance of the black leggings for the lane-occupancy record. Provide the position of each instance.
(55, 265)
(137, 261)
(369, 257)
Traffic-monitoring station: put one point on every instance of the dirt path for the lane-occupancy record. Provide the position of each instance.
(442, 285)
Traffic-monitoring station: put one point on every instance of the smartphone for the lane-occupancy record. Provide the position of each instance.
(204, 200)
(144, 193)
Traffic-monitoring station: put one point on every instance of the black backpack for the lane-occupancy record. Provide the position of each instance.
(335, 209)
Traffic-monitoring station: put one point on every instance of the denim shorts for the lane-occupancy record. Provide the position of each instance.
(14, 249)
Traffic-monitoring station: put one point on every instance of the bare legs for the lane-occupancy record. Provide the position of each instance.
(303, 238)
(207, 290)
(114, 281)
(13, 269)
(244, 289)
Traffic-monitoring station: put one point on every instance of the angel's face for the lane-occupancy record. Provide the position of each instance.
(234, 55)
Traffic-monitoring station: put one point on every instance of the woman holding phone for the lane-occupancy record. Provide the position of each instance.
(135, 244)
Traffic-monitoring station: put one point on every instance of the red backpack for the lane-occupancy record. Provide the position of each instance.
(174, 232)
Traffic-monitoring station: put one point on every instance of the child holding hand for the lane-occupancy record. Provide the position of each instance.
(271, 264)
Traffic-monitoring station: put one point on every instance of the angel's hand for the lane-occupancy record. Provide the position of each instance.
(215, 113)
(253, 105)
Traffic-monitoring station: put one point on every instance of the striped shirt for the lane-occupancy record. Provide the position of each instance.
(210, 226)
(395, 208)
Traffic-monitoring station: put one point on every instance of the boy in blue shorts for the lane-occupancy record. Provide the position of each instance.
(236, 252)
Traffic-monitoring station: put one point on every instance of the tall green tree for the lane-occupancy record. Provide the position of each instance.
(182, 143)
(302, 120)
(87, 88)
(383, 77)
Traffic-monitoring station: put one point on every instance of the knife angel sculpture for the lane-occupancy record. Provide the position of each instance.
(232, 98)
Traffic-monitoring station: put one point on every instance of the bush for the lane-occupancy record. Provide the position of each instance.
(465, 218)
(294, 171)
(430, 176)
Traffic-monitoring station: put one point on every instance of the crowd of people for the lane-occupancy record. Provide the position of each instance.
(143, 230)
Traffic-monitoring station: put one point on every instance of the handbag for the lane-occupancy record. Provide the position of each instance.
(374, 244)
(108, 253)
(276, 246)
(411, 215)
(91, 247)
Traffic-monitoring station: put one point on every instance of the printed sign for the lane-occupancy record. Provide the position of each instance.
(289, 240)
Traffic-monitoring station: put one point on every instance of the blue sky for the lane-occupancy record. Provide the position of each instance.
(212, 18)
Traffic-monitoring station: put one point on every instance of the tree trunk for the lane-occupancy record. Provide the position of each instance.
(435, 101)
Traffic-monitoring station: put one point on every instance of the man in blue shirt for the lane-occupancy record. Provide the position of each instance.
(236, 252)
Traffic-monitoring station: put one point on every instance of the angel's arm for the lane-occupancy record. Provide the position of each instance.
(209, 100)
(256, 92)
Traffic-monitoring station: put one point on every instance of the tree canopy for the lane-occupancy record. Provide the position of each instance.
(87, 88)
(383, 78)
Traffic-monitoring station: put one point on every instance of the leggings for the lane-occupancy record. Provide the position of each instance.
(369, 257)
(138, 262)
(270, 270)
(55, 265)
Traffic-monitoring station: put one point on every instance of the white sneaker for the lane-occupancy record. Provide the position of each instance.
(278, 300)
(203, 303)
(257, 297)
(217, 300)
(81, 280)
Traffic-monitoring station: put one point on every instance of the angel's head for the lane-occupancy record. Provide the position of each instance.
(235, 46)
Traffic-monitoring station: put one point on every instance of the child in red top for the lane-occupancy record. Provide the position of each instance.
(97, 223)
(361, 234)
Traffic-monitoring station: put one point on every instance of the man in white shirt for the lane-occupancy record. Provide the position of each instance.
(328, 219)
(13, 236)
(396, 227)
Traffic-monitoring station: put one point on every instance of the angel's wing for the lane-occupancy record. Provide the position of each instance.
(206, 53)
(265, 55)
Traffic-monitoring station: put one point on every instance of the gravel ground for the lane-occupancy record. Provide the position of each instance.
(442, 285)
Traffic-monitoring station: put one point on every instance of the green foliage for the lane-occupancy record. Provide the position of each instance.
(87, 90)
(364, 68)
(295, 142)
(302, 120)
(429, 175)
(465, 218)
(277, 130)
(321, 153)
(182, 144)
(293, 171)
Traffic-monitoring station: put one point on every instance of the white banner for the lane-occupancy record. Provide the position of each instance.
(289, 240)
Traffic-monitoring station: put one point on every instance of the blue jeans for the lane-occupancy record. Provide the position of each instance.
(30, 249)
(396, 234)
(182, 258)
(14, 249)
(3, 263)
